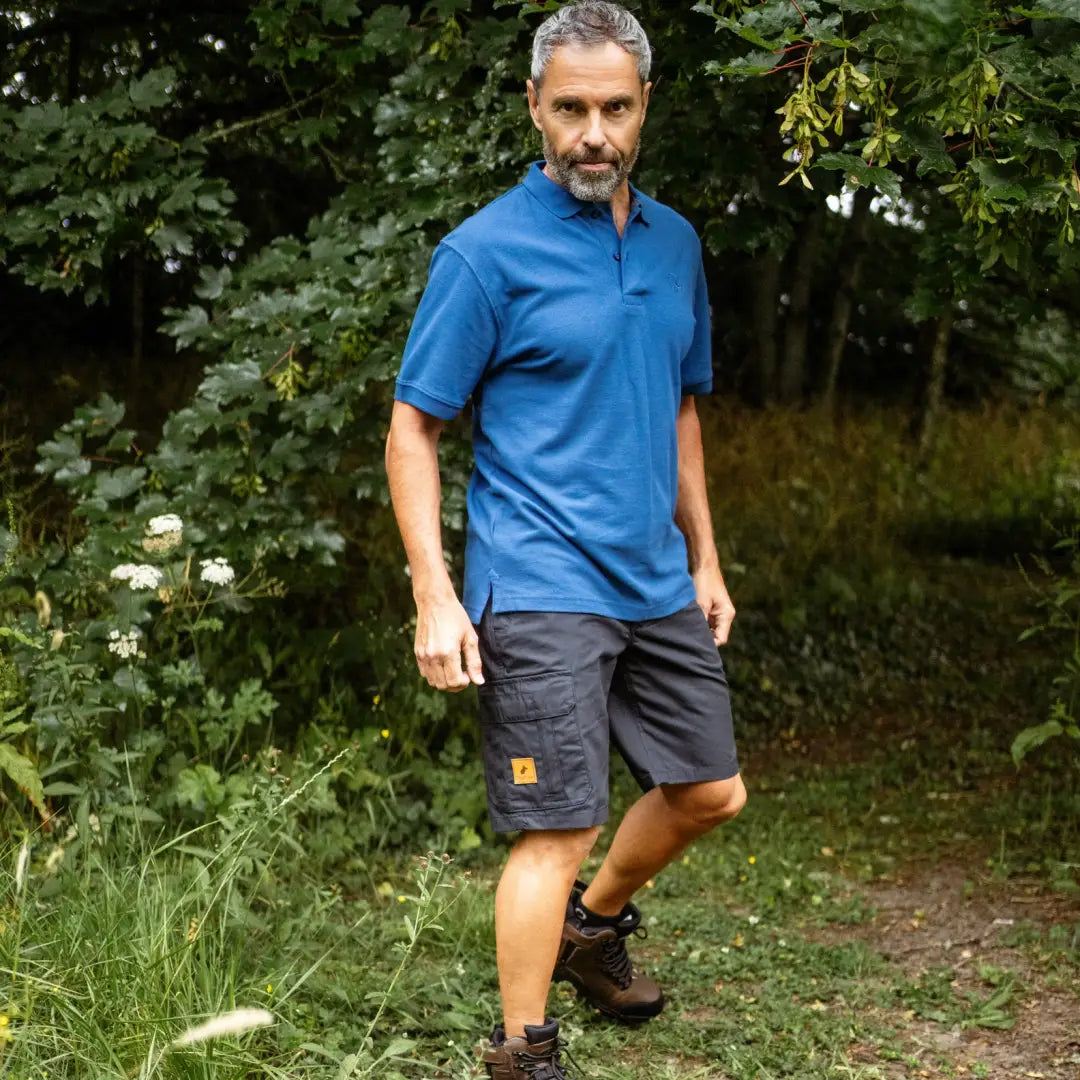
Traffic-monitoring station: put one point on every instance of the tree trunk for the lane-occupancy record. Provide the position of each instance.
(138, 286)
(792, 378)
(74, 57)
(844, 301)
(935, 383)
(766, 286)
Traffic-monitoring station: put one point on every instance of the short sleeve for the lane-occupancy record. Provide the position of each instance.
(696, 369)
(452, 338)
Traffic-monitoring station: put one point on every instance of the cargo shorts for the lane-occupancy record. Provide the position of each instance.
(562, 688)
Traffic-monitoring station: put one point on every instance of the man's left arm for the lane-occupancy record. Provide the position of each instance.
(693, 518)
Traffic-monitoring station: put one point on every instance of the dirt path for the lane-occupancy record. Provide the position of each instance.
(948, 917)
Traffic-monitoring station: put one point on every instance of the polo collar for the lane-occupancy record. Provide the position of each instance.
(561, 203)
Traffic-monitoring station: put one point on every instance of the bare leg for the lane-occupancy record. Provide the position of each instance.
(656, 829)
(530, 906)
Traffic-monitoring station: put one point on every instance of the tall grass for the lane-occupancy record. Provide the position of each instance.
(800, 502)
(179, 961)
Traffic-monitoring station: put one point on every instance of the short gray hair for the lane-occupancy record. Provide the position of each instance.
(590, 23)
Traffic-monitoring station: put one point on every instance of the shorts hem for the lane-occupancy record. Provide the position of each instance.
(693, 776)
(536, 820)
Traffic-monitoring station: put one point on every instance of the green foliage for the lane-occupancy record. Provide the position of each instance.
(96, 181)
(975, 94)
(1060, 603)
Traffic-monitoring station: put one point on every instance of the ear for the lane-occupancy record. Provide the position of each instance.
(534, 102)
(646, 91)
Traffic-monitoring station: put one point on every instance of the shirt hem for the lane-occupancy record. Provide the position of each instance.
(505, 602)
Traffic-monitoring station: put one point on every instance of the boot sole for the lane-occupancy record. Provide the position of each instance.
(607, 1010)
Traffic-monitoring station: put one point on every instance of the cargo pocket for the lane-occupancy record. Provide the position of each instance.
(533, 754)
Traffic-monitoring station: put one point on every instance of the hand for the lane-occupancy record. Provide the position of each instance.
(713, 599)
(443, 632)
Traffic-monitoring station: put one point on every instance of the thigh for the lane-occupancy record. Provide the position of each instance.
(543, 715)
(670, 709)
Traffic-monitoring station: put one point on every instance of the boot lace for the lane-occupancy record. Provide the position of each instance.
(616, 962)
(548, 1066)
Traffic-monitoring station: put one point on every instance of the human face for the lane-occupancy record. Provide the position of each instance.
(590, 109)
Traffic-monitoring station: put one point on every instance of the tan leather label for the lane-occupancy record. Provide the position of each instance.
(524, 770)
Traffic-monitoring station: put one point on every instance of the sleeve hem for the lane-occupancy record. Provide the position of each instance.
(698, 387)
(421, 399)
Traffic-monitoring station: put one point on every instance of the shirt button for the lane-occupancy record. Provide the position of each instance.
(618, 257)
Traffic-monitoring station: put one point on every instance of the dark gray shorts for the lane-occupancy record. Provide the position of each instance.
(561, 687)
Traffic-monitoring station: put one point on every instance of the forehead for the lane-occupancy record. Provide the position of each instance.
(588, 71)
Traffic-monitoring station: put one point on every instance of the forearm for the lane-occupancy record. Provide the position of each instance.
(412, 468)
(692, 505)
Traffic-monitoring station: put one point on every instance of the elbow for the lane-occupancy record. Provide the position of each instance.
(409, 428)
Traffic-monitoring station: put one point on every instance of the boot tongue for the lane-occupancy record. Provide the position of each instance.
(538, 1033)
(629, 920)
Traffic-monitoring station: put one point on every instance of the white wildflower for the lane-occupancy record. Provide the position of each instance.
(138, 576)
(753, 920)
(163, 533)
(165, 523)
(217, 571)
(232, 1023)
(124, 645)
(20, 866)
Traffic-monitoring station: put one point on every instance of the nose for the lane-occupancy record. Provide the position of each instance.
(594, 137)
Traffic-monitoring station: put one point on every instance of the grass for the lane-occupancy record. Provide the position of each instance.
(764, 934)
(843, 926)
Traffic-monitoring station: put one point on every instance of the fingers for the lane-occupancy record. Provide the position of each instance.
(454, 679)
(472, 658)
(721, 624)
(438, 652)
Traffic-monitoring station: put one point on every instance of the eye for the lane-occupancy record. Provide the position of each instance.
(616, 107)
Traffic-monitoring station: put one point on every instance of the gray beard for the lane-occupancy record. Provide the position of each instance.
(590, 187)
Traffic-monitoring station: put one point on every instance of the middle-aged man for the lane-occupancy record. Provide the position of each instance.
(573, 310)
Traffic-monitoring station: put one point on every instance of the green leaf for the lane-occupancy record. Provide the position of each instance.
(339, 12)
(23, 774)
(885, 180)
(1035, 736)
(152, 90)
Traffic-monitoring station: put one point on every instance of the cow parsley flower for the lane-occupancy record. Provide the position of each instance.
(217, 571)
(138, 576)
(165, 523)
(124, 645)
(163, 533)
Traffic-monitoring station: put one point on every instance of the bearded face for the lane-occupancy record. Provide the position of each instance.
(611, 168)
(589, 110)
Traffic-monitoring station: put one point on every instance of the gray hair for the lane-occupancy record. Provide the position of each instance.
(590, 23)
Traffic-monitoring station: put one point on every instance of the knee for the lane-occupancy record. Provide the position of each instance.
(705, 805)
(562, 847)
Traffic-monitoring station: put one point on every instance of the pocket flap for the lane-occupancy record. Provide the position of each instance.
(532, 697)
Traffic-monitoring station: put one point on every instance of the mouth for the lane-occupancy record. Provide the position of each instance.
(594, 166)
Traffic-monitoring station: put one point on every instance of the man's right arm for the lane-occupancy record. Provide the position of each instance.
(443, 628)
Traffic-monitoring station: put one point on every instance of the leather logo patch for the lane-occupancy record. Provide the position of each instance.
(524, 770)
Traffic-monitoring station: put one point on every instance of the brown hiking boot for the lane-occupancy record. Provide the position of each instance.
(594, 960)
(535, 1056)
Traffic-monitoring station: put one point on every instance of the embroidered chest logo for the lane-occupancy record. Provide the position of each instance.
(524, 770)
(676, 284)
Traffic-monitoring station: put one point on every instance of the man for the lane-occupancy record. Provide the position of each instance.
(573, 310)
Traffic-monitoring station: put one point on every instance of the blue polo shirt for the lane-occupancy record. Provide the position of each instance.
(576, 347)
